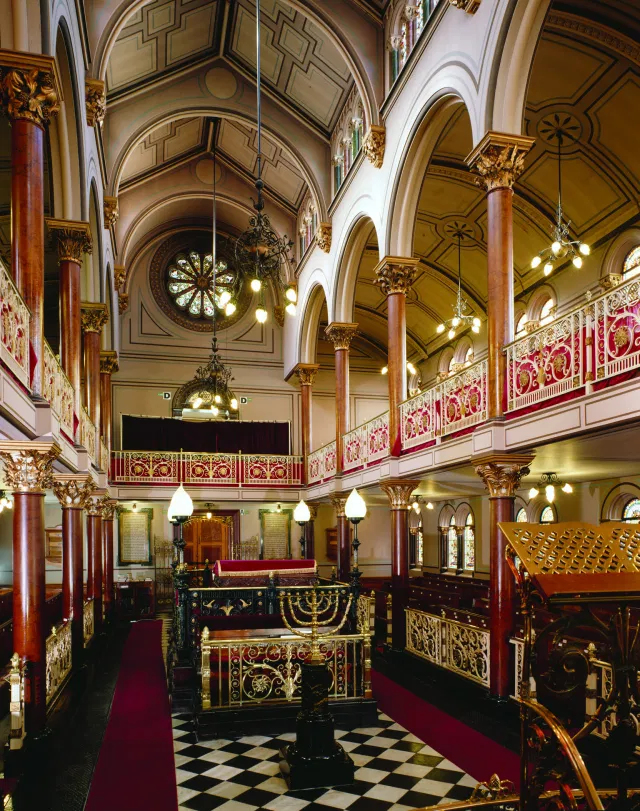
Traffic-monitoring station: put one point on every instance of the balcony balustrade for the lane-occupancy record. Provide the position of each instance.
(14, 329)
(58, 647)
(88, 434)
(323, 463)
(59, 392)
(367, 443)
(104, 457)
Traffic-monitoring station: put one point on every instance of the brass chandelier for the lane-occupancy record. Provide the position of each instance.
(462, 315)
(260, 252)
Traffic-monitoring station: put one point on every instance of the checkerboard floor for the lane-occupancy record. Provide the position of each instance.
(395, 771)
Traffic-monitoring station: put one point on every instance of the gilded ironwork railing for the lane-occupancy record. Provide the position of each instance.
(269, 471)
(58, 391)
(249, 671)
(14, 328)
(366, 613)
(456, 646)
(322, 463)
(367, 443)
(616, 316)
(88, 433)
(88, 621)
(58, 649)
(16, 679)
(104, 457)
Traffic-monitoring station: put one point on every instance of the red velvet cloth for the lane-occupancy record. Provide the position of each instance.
(227, 568)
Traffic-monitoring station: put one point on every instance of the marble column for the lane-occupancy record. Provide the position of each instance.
(73, 492)
(501, 474)
(94, 317)
(395, 276)
(28, 472)
(94, 554)
(399, 493)
(108, 514)
(343, 538)
(72, 240)
(306, 375)
(30, 93)
(499, 160)
(341, 336)
(108, 365)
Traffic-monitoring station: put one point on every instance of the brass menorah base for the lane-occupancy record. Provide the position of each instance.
(316, 759)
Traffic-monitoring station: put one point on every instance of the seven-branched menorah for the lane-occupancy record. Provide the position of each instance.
(309, 604)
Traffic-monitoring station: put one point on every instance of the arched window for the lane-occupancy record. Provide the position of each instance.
(548, 516)
(631, 265)
(190, 283)
(468, 358)
(469, 544)
(416, 541)
(631, 511)
(521, 326)
(546, 312)
(452, 544)
(521, 516)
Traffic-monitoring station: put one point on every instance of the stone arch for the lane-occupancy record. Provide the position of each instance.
(315, 299)
(618, 251)
(445, 515)
(616, 499)
(91, 283)
(349, 256)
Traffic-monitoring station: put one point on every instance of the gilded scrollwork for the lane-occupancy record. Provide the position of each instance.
(123, 303)
(93, 316)
(306, 373)
(109, 362)
(119, 276)
(111, 211)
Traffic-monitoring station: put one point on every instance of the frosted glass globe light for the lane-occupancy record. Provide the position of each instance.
(291, 295)
(230, 309)
(181, 505)
(355, 508)
(302, 513)
(225, 298)
(261, 315)
(256, 284)
(290, 308)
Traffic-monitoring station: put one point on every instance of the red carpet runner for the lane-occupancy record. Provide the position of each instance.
(135, 768)
(478, 755)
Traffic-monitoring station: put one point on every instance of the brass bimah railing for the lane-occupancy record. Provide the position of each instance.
(316, 759)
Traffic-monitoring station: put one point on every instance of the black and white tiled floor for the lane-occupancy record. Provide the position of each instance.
(395, 771)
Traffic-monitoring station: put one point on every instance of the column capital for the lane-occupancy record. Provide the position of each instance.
(399, 492)
(73, 490)
(323, 236)
(109, 362)
(95, 98)
(119, 276)
(71, 238)
(28, 466)
(341, 334)
(111, 211)
(123, 302)
(501, 473)
(313, 510)
(395, 274)
(338, 502)
(374, 144)
(108, 508)
(499, 159)
(30, 86)
(95, 502)
(93, 316)
(306, 373)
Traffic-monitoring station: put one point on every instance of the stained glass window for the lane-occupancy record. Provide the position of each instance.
(547, 516)
(452, 544)
(521, 516)
(546, 313)
(521, 325)
(631, 512)
(190, 284)
(469, 539)
(631, 265)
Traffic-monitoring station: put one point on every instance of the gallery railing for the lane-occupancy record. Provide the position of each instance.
(88, 621)
(14, 328)
(220, 469)
(58, 649)
(323, 463)
(460, 647)
(366, 444)
(104, 457)
(88, 433)
(58, 391)
(16, 678)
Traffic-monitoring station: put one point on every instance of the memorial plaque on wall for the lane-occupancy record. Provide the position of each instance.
(134, 536)
(275, 534)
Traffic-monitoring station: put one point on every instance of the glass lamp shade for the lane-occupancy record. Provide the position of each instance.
(181, 505)
(355, 508)
(301, 514)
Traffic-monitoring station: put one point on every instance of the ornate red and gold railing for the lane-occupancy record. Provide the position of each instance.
(366, 444)
(322, 463)
(14, 328)
(58, 391)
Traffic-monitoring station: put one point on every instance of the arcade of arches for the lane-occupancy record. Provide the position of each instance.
(452, 330)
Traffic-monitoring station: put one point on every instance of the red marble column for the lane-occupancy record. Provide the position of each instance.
(94, 551)
(28, 472)
(501, 474)
(94, 317)
(73, 492)
(73, 240)
(108, 365)
(343, 538)
(395, 276)
(108, 514)
(499, 160)
(341, 336)
(30, 93)
(306, 374)
(399, 494)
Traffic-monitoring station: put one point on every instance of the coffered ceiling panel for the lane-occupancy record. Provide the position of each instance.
(165, 145)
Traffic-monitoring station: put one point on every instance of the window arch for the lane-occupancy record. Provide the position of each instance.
(547, 312)
(521, 324)
(346, 139)
(452, 544)
(548, 515)
(631, 266)
(469, 544)
(408, 23)
(521, 516)
(631, 511)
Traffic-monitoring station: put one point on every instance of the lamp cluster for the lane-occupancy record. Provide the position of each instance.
(562, 248)
(462, 317)
(410, 368)
(549, 482)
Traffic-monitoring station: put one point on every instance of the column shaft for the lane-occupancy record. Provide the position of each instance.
(342, 401)
(94, 542)
(72, 577)
(107, 556)
(92, 375)
(305, 420)
(502, 599)
(399, 576)
(105, 408)
(397, 364)
(70, 328)
(344, 548)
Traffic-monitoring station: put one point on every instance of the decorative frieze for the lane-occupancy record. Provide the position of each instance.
(307, 373)
(341, 335)
(30, 87)
(72, 239)
(93, 316)
(323, 236)
(399, 492)
(73, 490)
(499, 159)
(109, 362)
(395, 274)
(95, 100)
(28, 466)
(501, 473)
(111, 211)
(374, 144)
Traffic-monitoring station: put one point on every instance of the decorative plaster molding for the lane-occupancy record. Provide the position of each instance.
(323, 236)
(28, 466)
(109, 362)
(111, 212)
(395, 274)
(72, 239)
(470, 6)
(278, 315)
(603, 35)
(307, 373)
(499, 159)
(501, 473)
(93, 316)
(374, 144)
(73, 490)
(611, 280)
(123, 302)
(341, 335)
(95, 100)
(30, 86)
(399, 492)
(119, 276)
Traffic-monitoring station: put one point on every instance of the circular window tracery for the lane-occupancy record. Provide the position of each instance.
(190, 284)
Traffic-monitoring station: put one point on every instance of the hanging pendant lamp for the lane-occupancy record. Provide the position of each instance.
(461, 315)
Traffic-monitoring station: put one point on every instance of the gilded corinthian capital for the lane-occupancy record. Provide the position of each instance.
(395, 274)
(73, 490)
(307, 373)
(30, 87)
(72, 239)
(501, 473)
(111, 211)
(95, 502)
(95, 100)
(341, 335)
(499, 159)
(93, 316)
(109, 362)
(28, 466)
(374, 144)
(108, 508)
(338, 503)
(399, 492)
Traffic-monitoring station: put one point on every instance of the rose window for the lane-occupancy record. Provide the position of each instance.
(190, 285)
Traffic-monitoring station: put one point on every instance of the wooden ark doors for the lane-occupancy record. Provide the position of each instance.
(210, 538)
